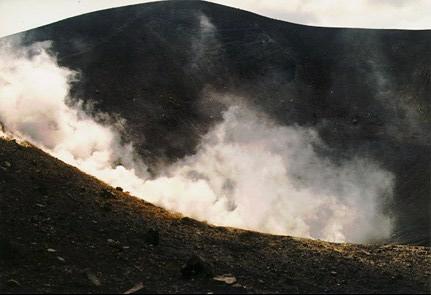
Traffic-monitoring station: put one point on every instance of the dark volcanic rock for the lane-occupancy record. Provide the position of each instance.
(106, 193)
(196, 266)
(152, 237)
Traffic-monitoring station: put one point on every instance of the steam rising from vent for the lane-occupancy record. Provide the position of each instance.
(248, 172)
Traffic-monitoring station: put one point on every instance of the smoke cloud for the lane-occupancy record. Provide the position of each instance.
(248, 172)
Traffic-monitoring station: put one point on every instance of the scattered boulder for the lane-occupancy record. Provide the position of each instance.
(13, 283)
(139, 286)
(226, 278)
(115, 244)
(106, 193)
(196, 266)
(59, 258)
(190, 221)
(119, 188)
(355, 120)
(92, 277)
(5, 165)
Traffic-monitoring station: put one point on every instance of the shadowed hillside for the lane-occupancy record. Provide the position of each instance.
(365, 91)
(64, 231)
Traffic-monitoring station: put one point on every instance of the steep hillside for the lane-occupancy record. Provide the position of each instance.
(64, 231)
(364, 91)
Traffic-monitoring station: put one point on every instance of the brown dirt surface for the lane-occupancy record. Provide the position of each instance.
(64, 231)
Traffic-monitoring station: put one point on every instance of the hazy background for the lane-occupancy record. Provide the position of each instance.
(20, 15)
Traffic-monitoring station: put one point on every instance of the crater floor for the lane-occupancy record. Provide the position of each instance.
(64, 231)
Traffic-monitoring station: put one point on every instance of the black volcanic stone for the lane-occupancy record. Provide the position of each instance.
(196, 266)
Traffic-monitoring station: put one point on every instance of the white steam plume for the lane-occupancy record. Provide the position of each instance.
(248, 172)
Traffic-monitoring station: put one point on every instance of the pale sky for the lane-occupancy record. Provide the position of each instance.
(21, 15)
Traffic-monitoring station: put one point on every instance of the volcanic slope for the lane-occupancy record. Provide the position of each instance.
(65, 231)
(365, 91)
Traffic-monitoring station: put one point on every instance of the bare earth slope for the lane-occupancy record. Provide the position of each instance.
(64, 231)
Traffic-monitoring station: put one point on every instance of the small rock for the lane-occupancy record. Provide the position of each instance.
(93, 278)
(196, 266)
(135, 288)
(355, 120)
(61, 259)
(152, 237)
(5, 165)
(50, 250)
(13, 283)
(118, 188)
(114, 244)
(226, 278)
(333, 273)
(106, 193)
